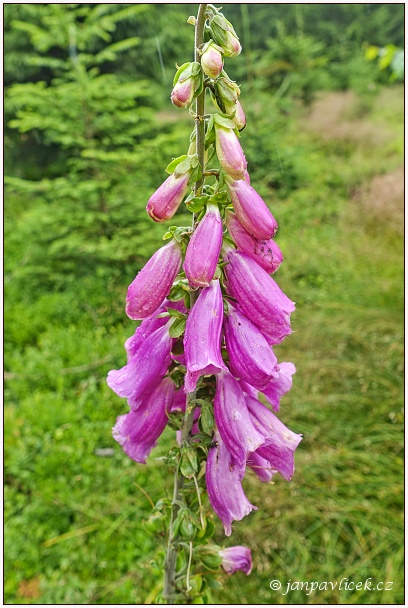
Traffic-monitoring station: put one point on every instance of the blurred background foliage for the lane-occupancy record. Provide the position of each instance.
(89, 131)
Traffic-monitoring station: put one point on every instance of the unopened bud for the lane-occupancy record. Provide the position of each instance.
(211, 60)
(224, 35)
(187, 84)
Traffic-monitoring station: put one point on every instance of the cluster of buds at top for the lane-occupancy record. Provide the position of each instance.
(211, 312)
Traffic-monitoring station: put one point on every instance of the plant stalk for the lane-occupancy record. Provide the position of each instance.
(169, 591)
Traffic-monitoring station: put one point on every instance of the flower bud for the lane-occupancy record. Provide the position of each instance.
(187, 83)
(224, 35)
(251, 210)
(164, 203)
(266, 253)
(239, 118)
(236, 558)
(153, 283)
(211, 60)
(229, 152)
(204, 248)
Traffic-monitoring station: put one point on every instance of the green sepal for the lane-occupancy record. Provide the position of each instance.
(181, 69)
(178, 378)
(196, 203)
(220, 198)
(210, 133)
(178, 290)
(174, 313)
(183, 167)
(189, 462)
(177, 328)
(195, 175)
(174, 163)
(217, 100)
(211, 561)
(206, 420)
(195, 68)
(222, 121)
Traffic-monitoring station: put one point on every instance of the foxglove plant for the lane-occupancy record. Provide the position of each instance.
(210, 316)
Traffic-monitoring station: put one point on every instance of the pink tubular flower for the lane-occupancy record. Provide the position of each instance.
(236, 558)
(251, 210)
(229, 152)
(250, 356)
(280, 442)
(145, 368)
(260, 466)
(153, 283)
(164, 203)
(204, 249)
(234, 421)
(211, 60)
(202, 337)
(149, 325)
(266, 253)
(281, 385)
(258, 296)
(138, 431)
(223, 480)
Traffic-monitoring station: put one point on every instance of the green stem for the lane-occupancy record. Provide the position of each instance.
(169, 591)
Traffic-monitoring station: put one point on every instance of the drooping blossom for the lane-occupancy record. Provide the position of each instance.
(204, 249)
(211, 60)
(266, 253)
(164, 203)
(251, 210)
(233, 420)
(153, 283)
(236, 558)
(202, 337)
(149, 325)
(229, 152)
(137, 432)
(250, 356)
(281, 385)
(145, 368)
(258, 296)
(280, 442)
(261, 467)
(225, 492)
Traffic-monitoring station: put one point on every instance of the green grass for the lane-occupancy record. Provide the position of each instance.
(75, 521)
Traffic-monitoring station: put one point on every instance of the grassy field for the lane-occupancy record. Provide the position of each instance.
(75, 515)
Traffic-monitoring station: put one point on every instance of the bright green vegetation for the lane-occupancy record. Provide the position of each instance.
(75, 517)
